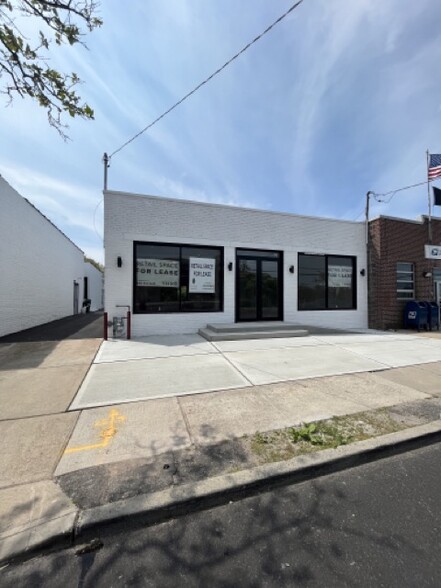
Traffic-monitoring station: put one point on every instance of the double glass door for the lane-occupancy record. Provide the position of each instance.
(258, 285)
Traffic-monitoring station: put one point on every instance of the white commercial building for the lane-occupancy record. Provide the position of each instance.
(42, 271)
(180, 265)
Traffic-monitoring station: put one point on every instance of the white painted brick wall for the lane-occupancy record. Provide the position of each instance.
(38, 266)
(129, 218)
(95, 286)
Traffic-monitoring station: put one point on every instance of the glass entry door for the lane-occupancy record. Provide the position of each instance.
(258, 285)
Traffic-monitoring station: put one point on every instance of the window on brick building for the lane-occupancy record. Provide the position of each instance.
(177, 278)
(405, 281)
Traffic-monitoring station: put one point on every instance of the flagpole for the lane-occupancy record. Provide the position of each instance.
(428, 199)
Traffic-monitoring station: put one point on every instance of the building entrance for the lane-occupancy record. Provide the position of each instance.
(259, 288)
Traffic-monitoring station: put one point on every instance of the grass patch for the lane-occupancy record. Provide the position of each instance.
(286, 443)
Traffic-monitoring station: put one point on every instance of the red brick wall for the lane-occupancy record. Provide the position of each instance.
(392, 241)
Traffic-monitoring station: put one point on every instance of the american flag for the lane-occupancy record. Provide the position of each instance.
(434, 167)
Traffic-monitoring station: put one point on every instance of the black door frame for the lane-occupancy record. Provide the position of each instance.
(259, 257)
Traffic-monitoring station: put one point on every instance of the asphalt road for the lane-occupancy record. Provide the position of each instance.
(375, 525)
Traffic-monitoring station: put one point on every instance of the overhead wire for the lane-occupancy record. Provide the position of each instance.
(392, 193)
(381, 197)
(210, 77)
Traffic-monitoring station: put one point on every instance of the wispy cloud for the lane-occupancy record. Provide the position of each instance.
(339, 99)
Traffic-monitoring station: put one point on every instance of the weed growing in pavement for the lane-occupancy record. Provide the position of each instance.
(286, 443)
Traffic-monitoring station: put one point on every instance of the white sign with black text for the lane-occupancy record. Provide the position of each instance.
(201, 275)
(339, 276)
(432, 251)
(157, 273)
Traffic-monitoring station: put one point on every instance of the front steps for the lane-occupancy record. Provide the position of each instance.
(258, 330)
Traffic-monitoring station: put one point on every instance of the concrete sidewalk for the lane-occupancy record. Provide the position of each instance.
(168, 366)
(64, 468)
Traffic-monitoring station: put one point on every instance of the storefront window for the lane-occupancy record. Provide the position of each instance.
(326, 282)
(177, 278)
(312, 282)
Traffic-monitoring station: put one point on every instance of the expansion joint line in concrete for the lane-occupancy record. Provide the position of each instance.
(186, 421)
(385, 366)
(234, 366)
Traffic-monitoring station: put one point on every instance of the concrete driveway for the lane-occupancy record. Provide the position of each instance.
(167, 366)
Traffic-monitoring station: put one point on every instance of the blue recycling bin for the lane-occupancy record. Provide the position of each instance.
(432, 315)
(416, 315)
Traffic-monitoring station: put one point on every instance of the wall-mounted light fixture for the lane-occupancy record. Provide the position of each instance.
(119, 261)
(427, 274)
(230, 266)
(362, 272)
(291, 269)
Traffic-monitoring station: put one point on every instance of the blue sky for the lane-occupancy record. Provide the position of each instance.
(340, 98)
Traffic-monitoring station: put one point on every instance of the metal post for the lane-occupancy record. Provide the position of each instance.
(368, 265)
(368, 194)
(106, 326)
(429, 199)
(106, 167)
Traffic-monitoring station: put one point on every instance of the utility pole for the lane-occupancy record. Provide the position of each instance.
(368, 264)
(106, 167)
(368, 195)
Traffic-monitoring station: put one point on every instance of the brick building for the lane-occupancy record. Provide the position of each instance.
(398, 270)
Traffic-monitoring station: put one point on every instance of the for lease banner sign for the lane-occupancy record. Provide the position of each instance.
(159, 273)
(339, 276)
(202, 275)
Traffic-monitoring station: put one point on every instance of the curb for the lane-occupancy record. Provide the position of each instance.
(52, 534)
(177, 501)
(65, 531)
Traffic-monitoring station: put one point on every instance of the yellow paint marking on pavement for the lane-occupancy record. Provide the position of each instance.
(108, 431)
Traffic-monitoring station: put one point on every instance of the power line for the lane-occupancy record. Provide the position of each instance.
(218, 71)
(378, 197)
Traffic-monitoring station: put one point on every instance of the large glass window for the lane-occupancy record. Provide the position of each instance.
(326, 282)
(177, 278)
(405, 281)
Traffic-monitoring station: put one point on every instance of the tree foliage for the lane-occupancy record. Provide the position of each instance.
(24, 67)
(97, 264)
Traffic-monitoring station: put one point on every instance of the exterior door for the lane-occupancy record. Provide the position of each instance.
(76, 297)
(258, 285)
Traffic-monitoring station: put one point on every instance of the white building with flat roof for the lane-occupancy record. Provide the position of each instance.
(42, 271)
(180, 264)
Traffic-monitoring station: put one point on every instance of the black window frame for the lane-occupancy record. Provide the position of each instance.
(180, 246)
(262, 255)
(353, 258)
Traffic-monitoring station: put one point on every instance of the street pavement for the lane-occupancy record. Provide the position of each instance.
(372, 525)
(74, 440)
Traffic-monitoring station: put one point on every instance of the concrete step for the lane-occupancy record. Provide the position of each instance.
(252, 327)
(212, 335)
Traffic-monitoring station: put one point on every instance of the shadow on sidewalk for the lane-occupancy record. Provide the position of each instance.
(90, 325)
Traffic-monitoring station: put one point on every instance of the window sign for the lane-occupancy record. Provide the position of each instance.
(339, 276)
(201, 276)
(160, 273)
